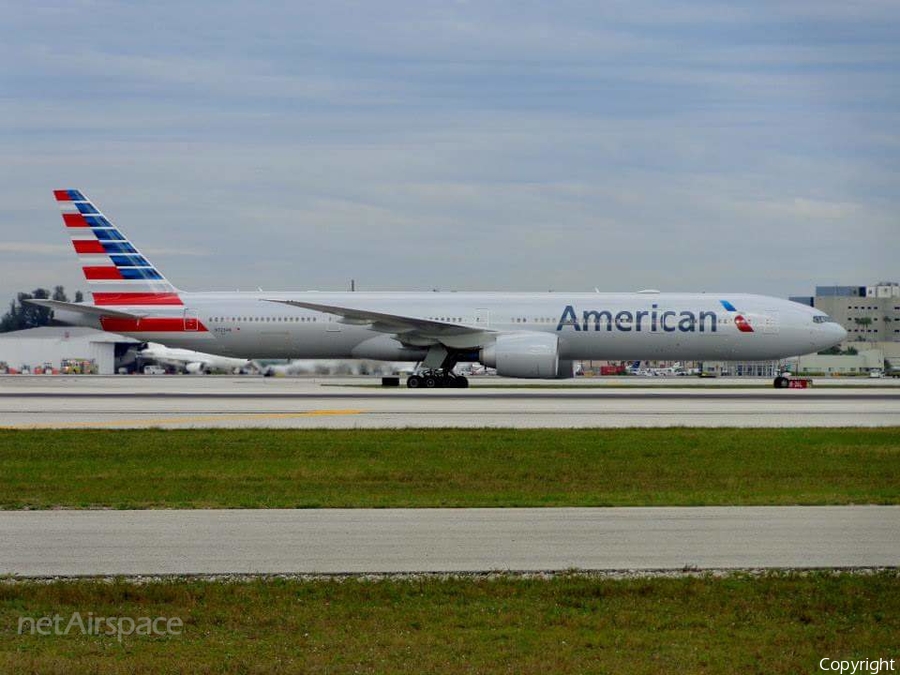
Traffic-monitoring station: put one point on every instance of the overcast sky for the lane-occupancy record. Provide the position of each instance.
(752, 146)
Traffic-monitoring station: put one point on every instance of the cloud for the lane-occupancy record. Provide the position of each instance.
(153, 250)
(34, 248)
(801, 208)
(468, 145)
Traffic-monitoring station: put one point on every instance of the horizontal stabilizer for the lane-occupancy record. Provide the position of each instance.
(91, 310)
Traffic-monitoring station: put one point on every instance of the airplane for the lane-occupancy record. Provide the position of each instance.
(193, 362)
(334, 367)
(524, 335)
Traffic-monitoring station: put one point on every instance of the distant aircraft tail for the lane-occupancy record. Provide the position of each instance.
(115, 270)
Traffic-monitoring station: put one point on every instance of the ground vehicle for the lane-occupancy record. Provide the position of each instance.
(789, 381)
(78, 367)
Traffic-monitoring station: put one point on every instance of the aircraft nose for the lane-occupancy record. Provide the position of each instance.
(831, 334)
(840, 333)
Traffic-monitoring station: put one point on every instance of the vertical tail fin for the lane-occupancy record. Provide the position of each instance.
(115, 270)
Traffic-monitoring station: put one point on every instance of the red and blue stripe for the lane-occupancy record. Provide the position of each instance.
(109, 260)
(742, 324)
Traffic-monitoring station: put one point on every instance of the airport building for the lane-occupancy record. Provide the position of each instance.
(861, 362)
(868, 313)
(871, 316)
(64, 349)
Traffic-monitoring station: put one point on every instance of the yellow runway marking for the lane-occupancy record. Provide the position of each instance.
(192, 419)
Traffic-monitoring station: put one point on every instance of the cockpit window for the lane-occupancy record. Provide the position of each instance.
(823, 318)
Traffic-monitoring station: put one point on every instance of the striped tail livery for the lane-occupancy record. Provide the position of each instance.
(115, 270)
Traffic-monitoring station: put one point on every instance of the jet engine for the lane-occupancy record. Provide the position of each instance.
(532, 355)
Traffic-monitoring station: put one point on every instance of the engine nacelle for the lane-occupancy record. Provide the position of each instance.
(534, 355)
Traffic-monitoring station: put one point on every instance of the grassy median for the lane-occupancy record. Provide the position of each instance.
(777, 623)
(457, 468)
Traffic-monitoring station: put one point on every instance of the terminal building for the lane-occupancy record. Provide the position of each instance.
(868, 313)
(871, 317)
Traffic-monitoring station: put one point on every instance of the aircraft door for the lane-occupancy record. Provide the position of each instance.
(191, 320)
(770, 321)
(483, 317)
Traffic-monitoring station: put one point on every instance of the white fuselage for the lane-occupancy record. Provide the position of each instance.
(518, 334)
(190, 360)
(600, 326)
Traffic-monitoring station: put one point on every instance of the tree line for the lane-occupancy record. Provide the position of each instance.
(22, 315)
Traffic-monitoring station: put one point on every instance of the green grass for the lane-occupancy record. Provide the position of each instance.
(778, 623)
(459, 468)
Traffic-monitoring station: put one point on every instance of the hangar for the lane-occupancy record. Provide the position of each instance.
(35, 347)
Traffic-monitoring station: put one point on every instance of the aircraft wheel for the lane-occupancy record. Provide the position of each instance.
(431, 382)
(461, 383)
(781, 382)
(413, 382)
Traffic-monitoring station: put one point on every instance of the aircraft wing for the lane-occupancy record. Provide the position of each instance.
(92, 310)
(409, 329)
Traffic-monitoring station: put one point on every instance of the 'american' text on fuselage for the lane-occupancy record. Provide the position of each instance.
(650, 321)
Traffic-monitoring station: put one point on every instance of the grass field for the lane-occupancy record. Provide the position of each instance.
(431, 468)
(779, 623)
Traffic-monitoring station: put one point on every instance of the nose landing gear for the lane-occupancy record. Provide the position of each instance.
(792, 382)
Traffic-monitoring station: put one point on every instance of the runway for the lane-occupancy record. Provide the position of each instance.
(190, 402)
(335, 541)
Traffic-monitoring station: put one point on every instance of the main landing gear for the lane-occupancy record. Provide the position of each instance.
(437, 371)
(433, 379)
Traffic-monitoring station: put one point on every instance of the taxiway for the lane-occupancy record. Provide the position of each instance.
(336, 541)
(180, 402)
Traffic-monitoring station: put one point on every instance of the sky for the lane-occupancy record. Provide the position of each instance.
(682, 146)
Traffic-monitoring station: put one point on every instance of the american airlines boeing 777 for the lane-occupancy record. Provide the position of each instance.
(527, 335)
